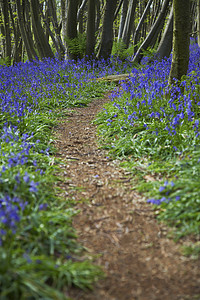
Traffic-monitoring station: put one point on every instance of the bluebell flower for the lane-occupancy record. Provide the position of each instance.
(26, 177)
(154, 201)
(33, 186)
(161, 188)
(43, 206)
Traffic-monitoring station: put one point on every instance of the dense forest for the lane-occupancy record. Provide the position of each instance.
(36, 29)
(57, 56)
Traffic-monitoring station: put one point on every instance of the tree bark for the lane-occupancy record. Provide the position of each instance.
(43, 46)
(181, 40)
(122, 19)
(98, 15)
(64, 20)
(153, 34)
(28, 25)
(90, 41)
(72, 25)
(139, 26)
(24, 35)
(53, 15)
(8, 48)
(129, 23)
(107, 33)
(46, 20)
(118, 8)
(17, 53)
(165, 46)
(198, 22)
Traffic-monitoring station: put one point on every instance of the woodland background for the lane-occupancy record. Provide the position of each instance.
(45, 28)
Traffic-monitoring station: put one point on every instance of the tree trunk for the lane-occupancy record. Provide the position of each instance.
(90, 42)
(24, 35)
(72, 25)
(8, 48)
(139, 26)
(123, 19)
(53, 15)
(17, 56)
(2, 40)
(46, 20)
(153, 34)
(28, 25)
(98, 15)
(128, 26)
(198, 22)
(118, 8)
(165, 46)
(64, 20)
(181, 40)
(40, 37)
(107, 33)
(17, 53)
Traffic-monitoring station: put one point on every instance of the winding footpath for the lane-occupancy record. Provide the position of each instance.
(115, 223)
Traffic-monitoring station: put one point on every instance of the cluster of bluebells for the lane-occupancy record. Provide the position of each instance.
(25, 90)
(166, 117)
(150, 101)
(25, 86)
(11, 209)
(165, 191)
(15, 156)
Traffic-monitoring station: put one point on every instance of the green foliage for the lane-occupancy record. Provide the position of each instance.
(192, 250)
(27, 276)
(149, 52)
(5, 61)
(142, 127)
(119, 50)
(77, 46)
(40, 257)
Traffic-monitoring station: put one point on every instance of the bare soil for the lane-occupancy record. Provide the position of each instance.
(115, 223)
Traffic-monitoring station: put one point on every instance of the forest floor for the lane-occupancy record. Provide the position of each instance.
(115, 224)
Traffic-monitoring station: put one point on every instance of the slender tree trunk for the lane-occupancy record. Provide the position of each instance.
(107, 33)
(24, 36)
(139, 26)
(181, 39)
(8, 48)
(165, 46)
(198, 22)
(42, 43)
(81, 9)
(90, 42)
(118, 8)
(80, 18)
(17, 53)
(123, 18)
(64, 20)
(153, 34)
(98, 15)
(28, 25)
(2, 40)
(72, 25)
(128, 27)
(46, 20)
(52, 10)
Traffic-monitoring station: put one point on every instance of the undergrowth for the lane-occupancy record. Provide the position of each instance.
(38, 246)
(155, 130)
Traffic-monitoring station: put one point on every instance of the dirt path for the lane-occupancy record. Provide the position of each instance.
(116, 224)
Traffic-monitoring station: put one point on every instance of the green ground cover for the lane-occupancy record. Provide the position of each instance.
(38, 246)
(154, 129)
